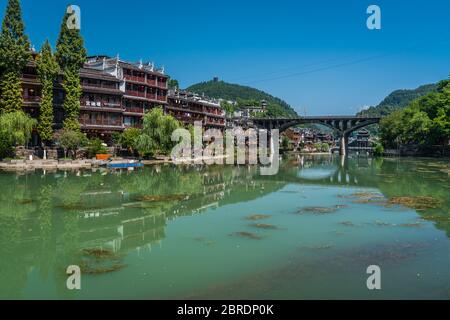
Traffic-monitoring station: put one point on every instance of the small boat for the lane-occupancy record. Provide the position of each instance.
(124, 165)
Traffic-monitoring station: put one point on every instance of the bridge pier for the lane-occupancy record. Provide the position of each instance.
(343, 145)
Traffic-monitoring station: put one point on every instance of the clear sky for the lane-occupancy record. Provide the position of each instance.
(319, 56)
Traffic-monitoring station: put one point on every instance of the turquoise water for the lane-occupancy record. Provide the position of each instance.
(187, 232)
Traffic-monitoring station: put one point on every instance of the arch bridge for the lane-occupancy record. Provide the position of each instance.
(342, 125)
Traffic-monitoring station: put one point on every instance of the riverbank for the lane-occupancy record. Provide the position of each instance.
(31, 165)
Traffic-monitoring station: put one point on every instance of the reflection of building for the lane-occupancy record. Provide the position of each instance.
(189, 108)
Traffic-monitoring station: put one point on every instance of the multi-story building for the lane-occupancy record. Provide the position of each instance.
(189, 108)
(117, 94)
(143, 86)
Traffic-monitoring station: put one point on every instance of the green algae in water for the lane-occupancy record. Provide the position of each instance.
(257, 217)
(264, 226)
(247, 235)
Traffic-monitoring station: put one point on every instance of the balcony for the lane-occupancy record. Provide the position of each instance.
(139, 110)
(134, 78)
(162, 85)
(98, 86)
(101, 123)
(162, 98)
(140, 94)
(134, 125)
(151, 82)
(30, 76)
(151, 96)
(31, 99)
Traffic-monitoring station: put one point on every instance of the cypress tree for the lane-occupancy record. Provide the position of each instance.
(14, 55)
(47, 69)
(71, 55)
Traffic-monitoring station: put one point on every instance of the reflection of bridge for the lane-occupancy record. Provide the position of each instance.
(329, 171)
(342, 125)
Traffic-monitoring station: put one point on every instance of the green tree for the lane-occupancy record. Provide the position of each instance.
(47, 69)
(129, 138)
(156, 135)
(173, 84)
(71, 105)
(70, 140)
(426, 121)
(14, 55)
(15, 130)
(96, 146)
(285, 143)
(71, 55)
(378, 149)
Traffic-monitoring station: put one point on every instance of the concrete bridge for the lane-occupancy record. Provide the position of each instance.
(342, 125)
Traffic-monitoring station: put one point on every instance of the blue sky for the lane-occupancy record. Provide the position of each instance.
(319, 56)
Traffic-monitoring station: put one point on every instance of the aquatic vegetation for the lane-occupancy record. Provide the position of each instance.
(89, 270)
(417, 203)
(248, 235)
(264, 226)
(436, 218)
(320, 210)
(25, 201)
(320, 247)
(205, 241)
(97, 261)
(412, 225)
(382, 224)
(100, 254)
(348, 224)
(257, 217)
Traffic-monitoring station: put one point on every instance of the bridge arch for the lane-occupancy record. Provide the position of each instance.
(343, 125)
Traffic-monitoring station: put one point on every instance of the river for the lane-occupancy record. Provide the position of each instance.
(166, 232)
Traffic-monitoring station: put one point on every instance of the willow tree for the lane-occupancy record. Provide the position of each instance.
(71, 55)
(15, 130)
(14, 55)
(47, 69)
(156, 134)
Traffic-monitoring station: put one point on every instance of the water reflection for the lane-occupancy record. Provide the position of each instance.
(47, 220)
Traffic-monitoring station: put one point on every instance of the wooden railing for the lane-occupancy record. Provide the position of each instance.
(31, 98)
(98, 85)
(134, 78)
(135, 93)
(134, 110)
(101, 123)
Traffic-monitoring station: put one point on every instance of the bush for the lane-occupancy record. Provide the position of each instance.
(96, 146)
(70, 140)
(378, 149)
(128, 139)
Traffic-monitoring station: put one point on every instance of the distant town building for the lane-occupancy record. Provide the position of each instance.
(188, 108)
(363, 139)
(250, 111)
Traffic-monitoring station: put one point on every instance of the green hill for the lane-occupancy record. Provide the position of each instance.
(398, 99)
(244, 96)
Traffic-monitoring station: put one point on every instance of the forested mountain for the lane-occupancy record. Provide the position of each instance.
(399, 99)
(244, 96)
